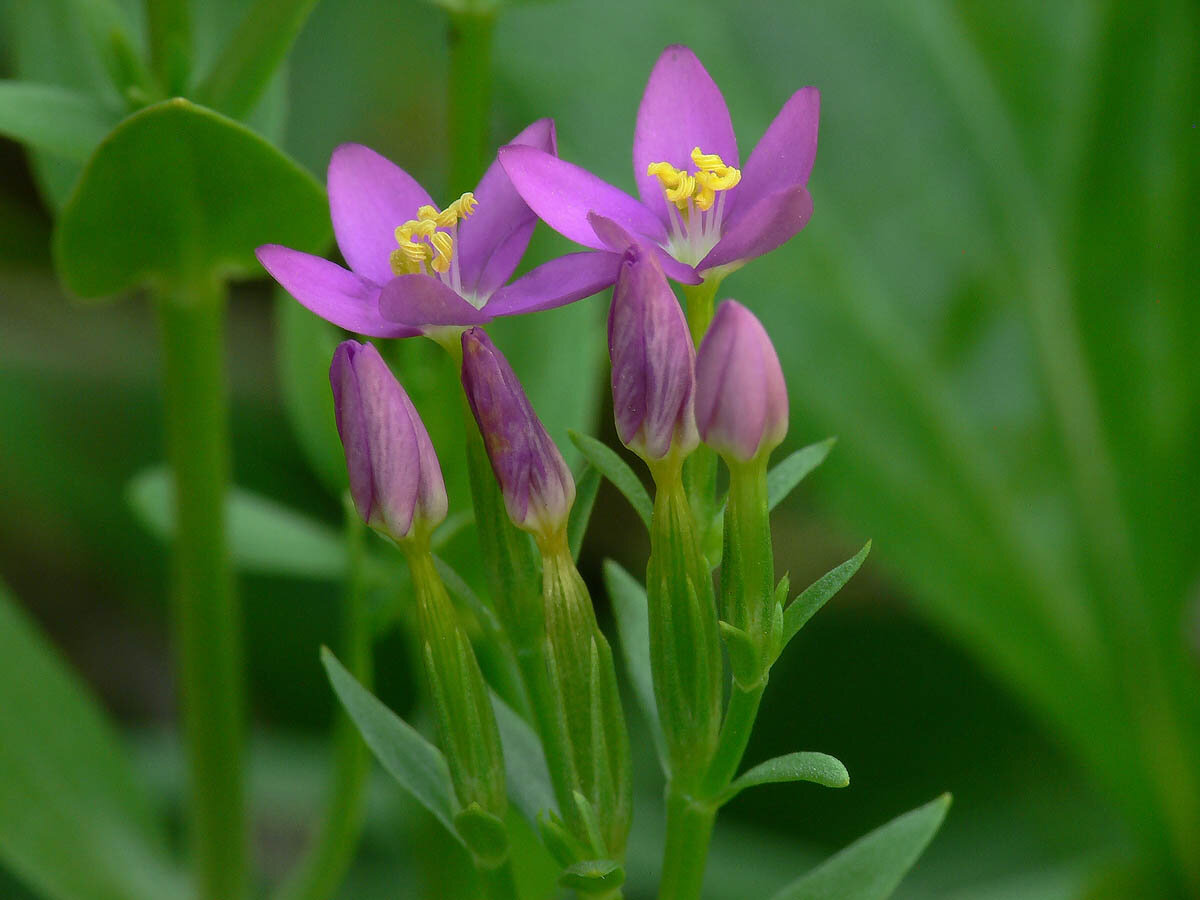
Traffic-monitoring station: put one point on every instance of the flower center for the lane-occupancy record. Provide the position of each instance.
(427, 242)
(696, 225)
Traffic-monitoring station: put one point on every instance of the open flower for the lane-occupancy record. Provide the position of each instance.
(414, 267)
(698, 211)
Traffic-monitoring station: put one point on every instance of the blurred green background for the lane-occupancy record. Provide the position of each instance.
(994, 309)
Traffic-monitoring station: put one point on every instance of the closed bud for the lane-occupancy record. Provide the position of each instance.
(653, 362)
(537, 485)
(741, 397)
(395, 479)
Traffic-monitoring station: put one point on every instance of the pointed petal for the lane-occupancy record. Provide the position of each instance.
(556, 283)
(419, 300)
(341, 297)
(682, 108)
(786, 153)
(619, 240)
(562, 194)
(369, 196)
(761, 228)
(501, 218)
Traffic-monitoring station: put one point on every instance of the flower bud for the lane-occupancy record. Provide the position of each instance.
(653, 362)
(741, 397)
(395, 478)
(535, 481)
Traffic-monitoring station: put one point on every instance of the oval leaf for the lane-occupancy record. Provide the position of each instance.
(818, 768)
(177, 190)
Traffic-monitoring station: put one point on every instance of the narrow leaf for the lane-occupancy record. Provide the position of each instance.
(254, 52)
(871, 868)
(74, 821)
(466, 597)
(617, 471)
(264, 536)
(587, 485)
(815, 596)
(415, 763)
(818, 768)
(783, 477)
(633, 625)
(62, 122)
(525, 769)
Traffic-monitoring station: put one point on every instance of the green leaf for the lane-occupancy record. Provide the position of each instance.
(784, 476)
(525, 771)
(587, 485)
(630, 609)
(415, 763)
(818, 768)
(871, 868)
(264, 536)
(74, 821)
(817, 594)
(255, 51)
(617, 471)
(55, 120)
(177, 190)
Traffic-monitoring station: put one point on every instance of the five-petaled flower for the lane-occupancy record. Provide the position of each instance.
(415, 268)
(698, 211)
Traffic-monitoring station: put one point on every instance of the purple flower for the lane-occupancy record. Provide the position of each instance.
(698, 211)
(414, 267)
(537, 485)
(653, 361)
(395, 478)
(741, 397)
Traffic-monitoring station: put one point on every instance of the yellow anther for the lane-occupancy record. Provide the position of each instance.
(443, 246)
(422, 243)
(701, 186)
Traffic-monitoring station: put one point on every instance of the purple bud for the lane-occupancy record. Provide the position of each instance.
(536, 483)
(653, 361)
(741, 397)
(395, 478)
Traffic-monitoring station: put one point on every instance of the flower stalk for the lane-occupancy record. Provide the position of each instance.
(205, 617)
(470, 93)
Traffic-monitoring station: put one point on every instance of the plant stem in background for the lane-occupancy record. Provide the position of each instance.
(470, 100)
(206, 621)
(325, 864)
(499, 883)
(170, 25)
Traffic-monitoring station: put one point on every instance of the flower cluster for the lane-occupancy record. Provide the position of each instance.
(415, 269)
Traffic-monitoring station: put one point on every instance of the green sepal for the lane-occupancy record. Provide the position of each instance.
(788, 473)
(484, 835)
(817, 768)
(587, 814)
(587, 485)
(616, 470)
(563, 846)
(593, 876)
(744, 657)
(819, 593)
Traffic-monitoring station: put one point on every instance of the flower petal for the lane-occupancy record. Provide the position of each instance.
(556, 283)
(761, 228)
(369, 196)
(343, 298)
(499, 221)
(562, 194)
(420, 300)
(682, 108)
(619, 240)
(786, 153)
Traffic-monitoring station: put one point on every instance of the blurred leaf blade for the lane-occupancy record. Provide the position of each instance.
(527, 776)
(617, 471)
(55, 120)
(587, 485)
(787, 474)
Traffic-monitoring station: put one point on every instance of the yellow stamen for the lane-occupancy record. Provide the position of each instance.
(701, 186)
(421, 243)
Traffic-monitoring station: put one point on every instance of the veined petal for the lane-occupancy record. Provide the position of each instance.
(682, 108)
(786, 153)
(556, 283)
(500, 220)
(761, 228)
(619, 240)
(343, 298)
(420, 300)
(562, 194)
(369, 196)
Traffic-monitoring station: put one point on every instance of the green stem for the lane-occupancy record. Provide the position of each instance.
(330, 854)
(470, 87)
(701, 302)
(499, 883)
(206, 622)
(689, 832)
(169, 23)
(735, 735)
